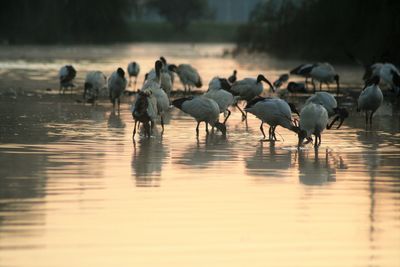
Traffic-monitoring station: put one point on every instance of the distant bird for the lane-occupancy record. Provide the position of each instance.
(313, 120)
(144, 111)
(294, 87)
(189, 77)
(153, 85)
(329, 102)
(281, 80)
(370, 98)
(275, 112)
(133, 71)
(95, 84)
(218, 90)
(233, 77)
(116, 86)
(202, 109)
(66, 76)
(303, 70)
(249, 88)
(388, 73)
(324, 73)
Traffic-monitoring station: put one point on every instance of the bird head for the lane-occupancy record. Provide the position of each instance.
(173, 68)
(301, 134)
(261, 77)
(121, 72)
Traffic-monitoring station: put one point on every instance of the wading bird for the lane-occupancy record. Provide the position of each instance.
(370, 98)
(116, 86)
(153, 85)
(189, 77)
(202, 109)
(328, 101)
(249, 88)
(144, 111)
(218, 90)
(273, 111)
(324, 73)
(95, 84)
(313, 120)
(66, 76)
(133, 71)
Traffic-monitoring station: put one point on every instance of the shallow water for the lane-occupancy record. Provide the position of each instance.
(76, 191)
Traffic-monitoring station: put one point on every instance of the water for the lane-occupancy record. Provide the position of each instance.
(76, 191)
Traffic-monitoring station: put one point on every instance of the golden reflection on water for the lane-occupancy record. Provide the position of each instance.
(76, 191)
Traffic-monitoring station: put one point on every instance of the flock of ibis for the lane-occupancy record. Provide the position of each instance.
(153, 100)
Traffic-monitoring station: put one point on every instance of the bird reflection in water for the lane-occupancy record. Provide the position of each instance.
(317, 170)
(148, 158)
(269, 162)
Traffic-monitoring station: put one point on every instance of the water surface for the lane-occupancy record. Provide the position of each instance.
(76, 191)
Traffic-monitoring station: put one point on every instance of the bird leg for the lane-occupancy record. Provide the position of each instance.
(262, 130)
(273, 133)
(244, 117)
(134, 130)
(370, 117)
(366, 117)
(197, 128)
(207, 128)
(226, 118)
(162, 124)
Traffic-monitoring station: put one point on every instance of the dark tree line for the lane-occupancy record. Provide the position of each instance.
(86, 21)
(326, 29)
(47, 21)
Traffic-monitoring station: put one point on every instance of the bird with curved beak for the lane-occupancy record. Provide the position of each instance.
(249, 88)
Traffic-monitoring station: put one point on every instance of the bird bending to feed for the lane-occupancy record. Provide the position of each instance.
(202, 109)
(218, 90)
(303, 70)
(189, 77)
(328, 101)
(116, 86)
(324, 73)
(370, 98)
(133, 71)
(66, 75)
(249, 88)
(144, 111)
(313, 120)
(273, 111)
(95, 83)
(153, 85)
(233, 77)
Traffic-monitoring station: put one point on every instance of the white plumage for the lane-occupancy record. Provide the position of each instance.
(223, 98)
(164, 79)
(189, 76)
(202, 109)
(116, 86)
(162, 100)
(324, 73)
(95, 85)
(249, 88)
(273, 111)
(313, 120)
(370, 98)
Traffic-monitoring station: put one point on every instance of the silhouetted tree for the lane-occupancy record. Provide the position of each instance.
(325, 29)
(180, 13)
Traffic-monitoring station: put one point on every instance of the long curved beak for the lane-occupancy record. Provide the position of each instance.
(333, 122)
(270, 85)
